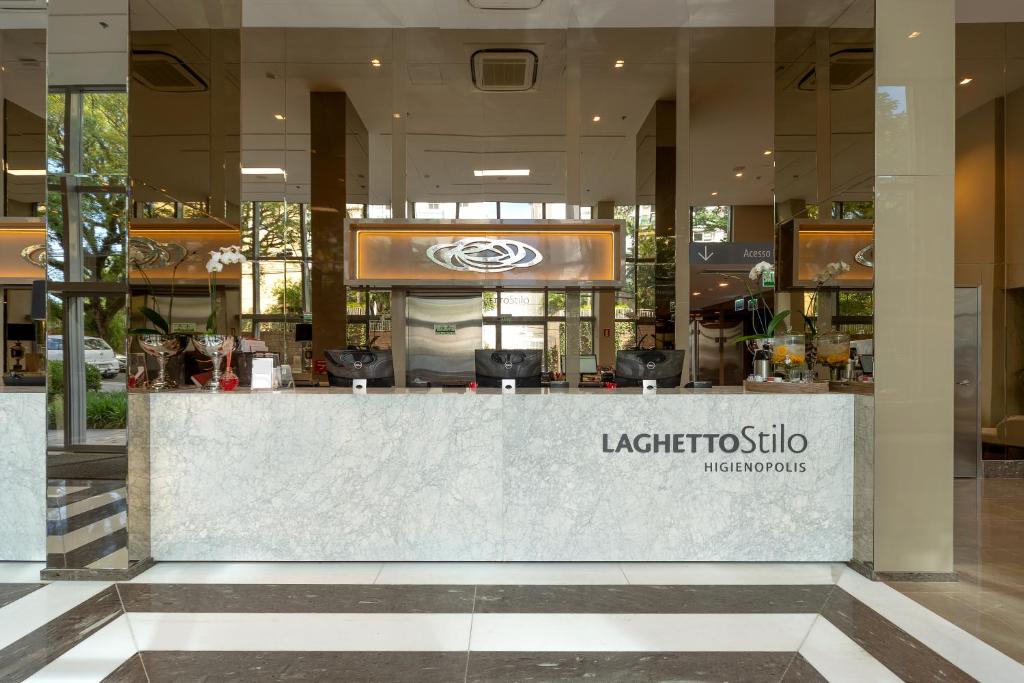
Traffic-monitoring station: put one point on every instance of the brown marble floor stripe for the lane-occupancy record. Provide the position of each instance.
(652, 599)
(130, 671)
(142, 597)
(59, 527)
(801, 671)
(83, 555)
(309, 598)
(453, 667)
(29, 654)
(9, 592)
(904, 655)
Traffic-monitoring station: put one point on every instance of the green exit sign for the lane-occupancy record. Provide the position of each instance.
(445, 330)
(768, 278)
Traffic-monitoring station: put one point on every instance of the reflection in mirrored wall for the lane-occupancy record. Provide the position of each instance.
(184, 157)
(990, 231)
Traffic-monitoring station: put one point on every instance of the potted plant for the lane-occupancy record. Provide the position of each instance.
(212, 344)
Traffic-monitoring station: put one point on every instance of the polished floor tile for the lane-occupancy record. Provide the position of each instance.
(988, 600)
(732, 573)
(20, 572)
(494, 573)
(634, 667)
(310, 598)
(261, 572)
(9, 592)
(836, 657)
(33, 611)
(301, 632)
(640, 632)
(94, 658)
(652, 599)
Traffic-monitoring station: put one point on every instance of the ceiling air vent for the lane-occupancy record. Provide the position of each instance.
(505, 4)
(504, 70)
(164, 72)
(849, 68)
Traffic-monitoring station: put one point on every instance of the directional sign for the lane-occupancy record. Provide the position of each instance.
(720, 253)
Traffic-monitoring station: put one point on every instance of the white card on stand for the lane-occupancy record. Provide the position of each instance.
(262, 373)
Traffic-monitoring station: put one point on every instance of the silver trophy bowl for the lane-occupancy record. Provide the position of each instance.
(214, 347)
(162, 347)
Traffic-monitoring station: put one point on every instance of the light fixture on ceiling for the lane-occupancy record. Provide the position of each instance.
(375, 63)
(696, 293)
(714, 194)
(596, 118)
(738, 174)
(619, 63)
(26, 171)
(262, 171)
(914, 34)
(965, 80)
(767, 152)
(497, 172)
(396, 115)
(279, 117)
(723, 284)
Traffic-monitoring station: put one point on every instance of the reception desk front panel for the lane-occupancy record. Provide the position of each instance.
(452, 476)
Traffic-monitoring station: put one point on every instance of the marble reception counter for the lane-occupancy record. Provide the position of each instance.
(23, 473)
(413, 475)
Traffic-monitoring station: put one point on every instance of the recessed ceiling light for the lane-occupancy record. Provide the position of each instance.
(279, 117)
(596, 118)
(739, 174)
(262, 171)
(914, 34)
(767, 152)
(375, 62)
(396, 115)
(723, 284)
(714, 194)
(26, 171)
(489, 172)
(696, 293)
(619, 63)
(965, 80)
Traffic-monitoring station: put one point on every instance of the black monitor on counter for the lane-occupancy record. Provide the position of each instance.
(522, 365)
(663, 365)
(344, 365)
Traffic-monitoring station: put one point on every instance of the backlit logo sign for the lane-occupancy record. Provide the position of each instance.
(484, 255)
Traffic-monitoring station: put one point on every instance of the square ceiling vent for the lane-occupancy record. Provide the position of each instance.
(505, 4)
(504, 69)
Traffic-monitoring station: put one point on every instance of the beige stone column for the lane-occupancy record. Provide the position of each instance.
(914, 167)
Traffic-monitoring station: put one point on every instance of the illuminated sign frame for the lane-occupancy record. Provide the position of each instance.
(485, 253)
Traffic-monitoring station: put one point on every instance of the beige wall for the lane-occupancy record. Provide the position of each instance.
(980, 259)
(915, 235)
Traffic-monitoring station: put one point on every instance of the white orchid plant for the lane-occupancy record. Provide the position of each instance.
(226, 256)
(756, 342)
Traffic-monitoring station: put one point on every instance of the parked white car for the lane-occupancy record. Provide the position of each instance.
(97, 353)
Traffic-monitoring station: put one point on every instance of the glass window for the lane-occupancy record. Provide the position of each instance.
(586, 213)
(355, 210)
(279, 227)
(378, 211)
(555, 211)
(522, 304)
(479, 210)
(522, 336)
(627, 214)
(645, 232)
(710, 223)
(522, 210)
(434, 210)
(280, 287)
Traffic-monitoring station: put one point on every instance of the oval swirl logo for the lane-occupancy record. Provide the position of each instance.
(484, 255)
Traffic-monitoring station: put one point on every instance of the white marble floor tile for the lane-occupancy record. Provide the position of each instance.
(81, 506)
(729, 573)
(57, 491)
(91, 532)
(301, 632)
(260, 572)
(640, 632)
(93, 659)
(839, 659)
(20, 572)
(496, 573)
(26, 614)
(977, 658)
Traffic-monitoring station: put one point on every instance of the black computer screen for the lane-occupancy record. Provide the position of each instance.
(344, 365)
(663, 365)
(522, 365)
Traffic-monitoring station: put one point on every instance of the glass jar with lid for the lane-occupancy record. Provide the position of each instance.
(834, 352)
(789, 353)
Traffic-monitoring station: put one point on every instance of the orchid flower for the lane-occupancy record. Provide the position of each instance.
(759, 269)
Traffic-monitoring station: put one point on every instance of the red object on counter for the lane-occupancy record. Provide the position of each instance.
(229, 381)
(611, 385)
(472, 386)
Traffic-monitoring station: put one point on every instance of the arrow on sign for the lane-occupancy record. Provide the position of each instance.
(706, 256)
